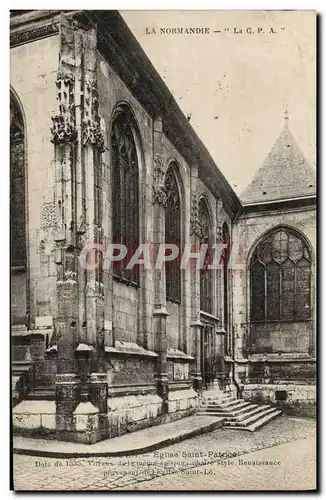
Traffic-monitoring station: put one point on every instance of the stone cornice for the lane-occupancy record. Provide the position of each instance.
(33, 25)
(291, 204)
(30, 25)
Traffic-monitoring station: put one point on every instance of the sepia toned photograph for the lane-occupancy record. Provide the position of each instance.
(163, 250)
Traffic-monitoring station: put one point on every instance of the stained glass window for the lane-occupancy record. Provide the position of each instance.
(17, 187)
(273, 290)
(125, 210)
(280, 272)
(172, 235)
(258, 291)
(205, 273)
(303, 278)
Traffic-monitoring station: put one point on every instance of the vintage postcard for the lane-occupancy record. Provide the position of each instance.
(163, 250)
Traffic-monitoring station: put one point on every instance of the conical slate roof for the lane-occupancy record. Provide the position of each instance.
(284, 174)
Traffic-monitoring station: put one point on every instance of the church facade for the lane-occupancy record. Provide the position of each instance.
(101, 155)
(276, 298)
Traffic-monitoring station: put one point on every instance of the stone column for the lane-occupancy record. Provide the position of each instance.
(67, 381)
(91, 350)
(196, 325)
(80, 390)
(64, 137)
(160, 313)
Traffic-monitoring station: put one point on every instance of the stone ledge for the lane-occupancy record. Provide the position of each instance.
(84, 348)
(186, 393)
(289, 386)
(282, 358)
(210, 317)
(176, 354)
(131, 390)
(181, 385)
(273, 358)
(143, 441)
(186, 399)
(127, 413)
(19, 330)
(36, 333)
(33, 414)
(127, 402)
(43, 322)
(129, 348)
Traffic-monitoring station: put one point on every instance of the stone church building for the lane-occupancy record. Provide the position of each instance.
(101, 153)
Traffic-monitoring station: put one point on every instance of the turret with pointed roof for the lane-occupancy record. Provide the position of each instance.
(284, 174)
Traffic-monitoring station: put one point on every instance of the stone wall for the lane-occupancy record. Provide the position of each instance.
(125, 312)
(173, 325)
(116, 329)
(131, 310)
(289, 348)
(33, 72)
(293, 399)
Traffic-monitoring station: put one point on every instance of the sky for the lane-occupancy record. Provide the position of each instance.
(236, 86)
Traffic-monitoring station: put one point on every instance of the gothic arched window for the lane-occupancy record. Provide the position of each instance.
(172, 235)
(125, 213)
(205, 273)
(17, 187)
(280, 270)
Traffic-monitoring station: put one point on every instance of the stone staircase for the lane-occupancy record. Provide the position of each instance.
(238, 413)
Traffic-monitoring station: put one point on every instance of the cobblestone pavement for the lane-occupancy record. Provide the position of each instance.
(182, 465)
(287, 470)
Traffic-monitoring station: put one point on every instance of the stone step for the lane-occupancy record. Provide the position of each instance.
(233, 414)
(240, 404)
(215, 404)
(247, 413)
(264, 420)
(238, 413)
(219, 397)
(233, 403)
(211, 414)
(250, 420)
(256, 423)
(217, 412)
(218, 402)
